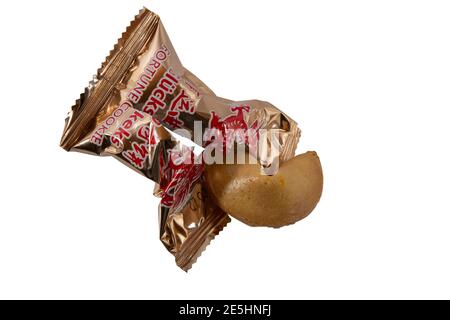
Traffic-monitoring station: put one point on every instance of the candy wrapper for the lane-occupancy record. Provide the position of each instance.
(141, 88)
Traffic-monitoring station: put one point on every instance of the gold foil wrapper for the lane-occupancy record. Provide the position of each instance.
(142, 88)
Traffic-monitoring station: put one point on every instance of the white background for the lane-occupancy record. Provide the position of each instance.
(368, 81)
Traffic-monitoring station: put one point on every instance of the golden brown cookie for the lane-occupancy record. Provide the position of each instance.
(271, 201)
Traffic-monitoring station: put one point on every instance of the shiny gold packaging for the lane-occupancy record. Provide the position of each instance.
(141, 88)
